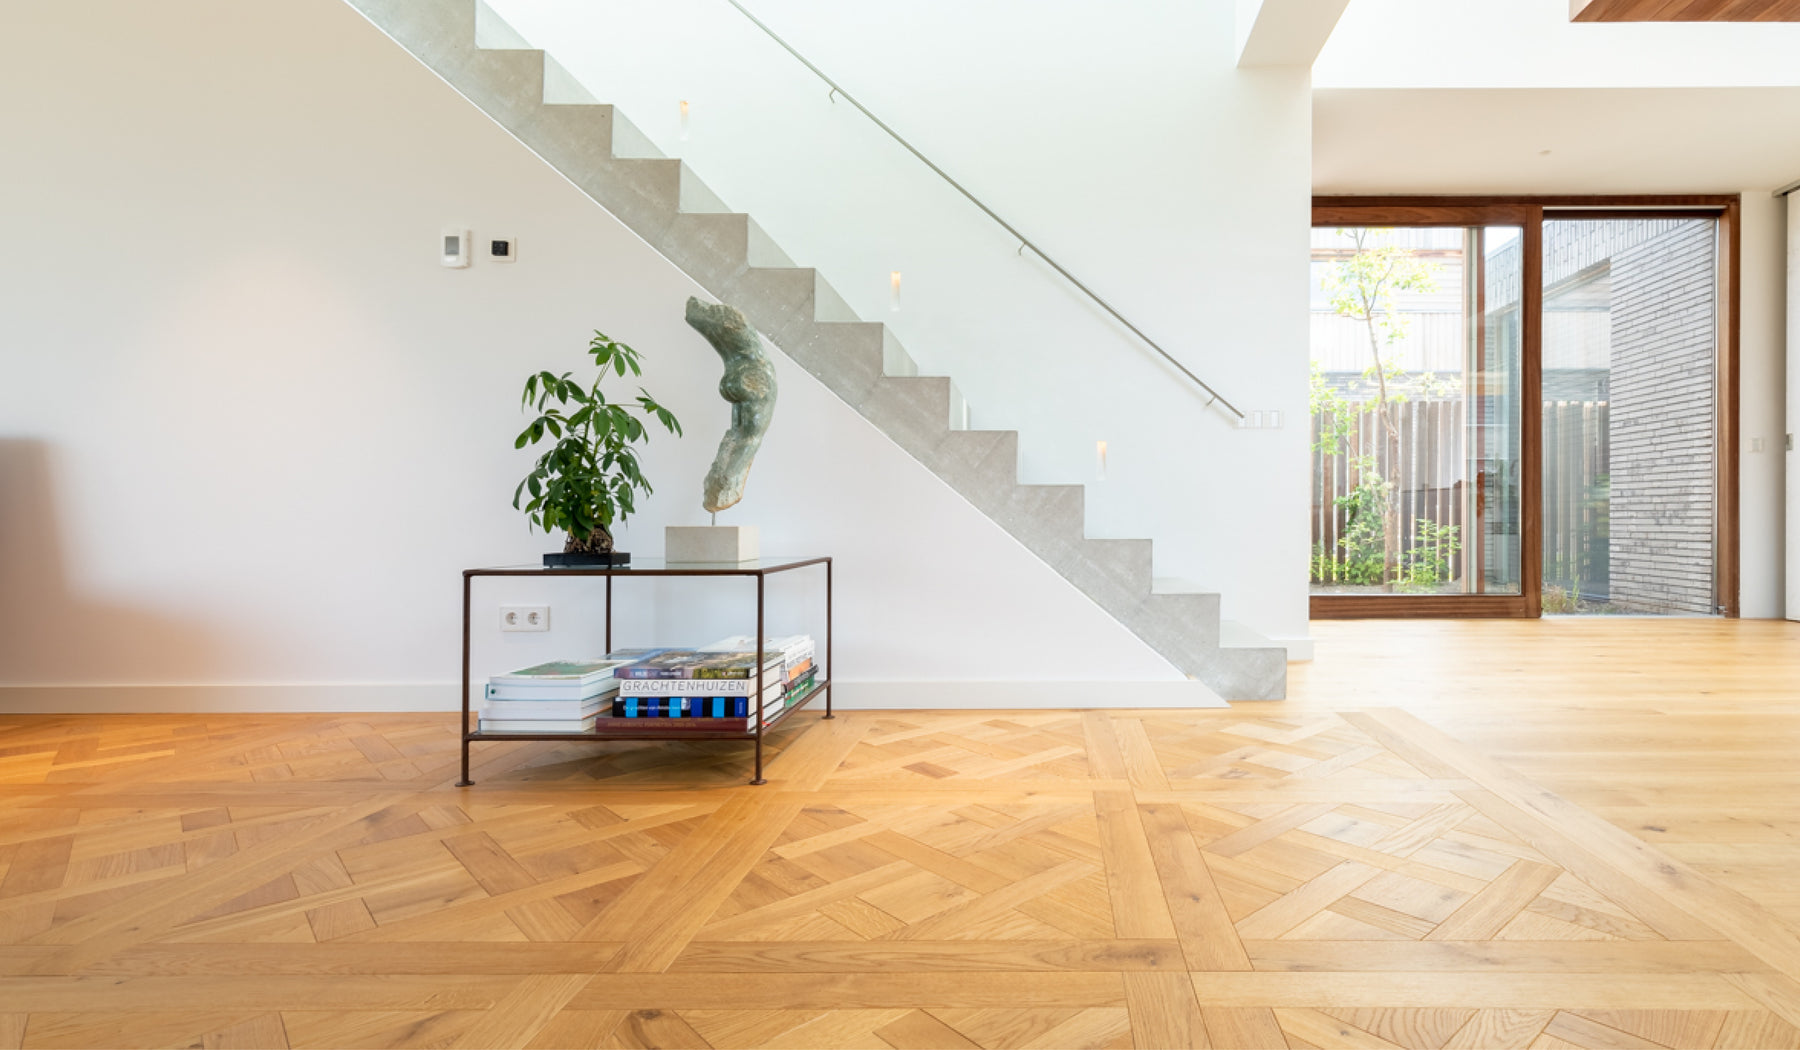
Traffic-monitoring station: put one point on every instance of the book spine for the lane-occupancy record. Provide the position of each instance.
(693, 686)
(549, 692)
(687, 707)
(654, 707)
(640, 673)
(515, 709)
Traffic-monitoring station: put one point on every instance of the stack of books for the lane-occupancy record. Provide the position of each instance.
(562, 696)
(798, 672)
(690, 683)
(712, 689)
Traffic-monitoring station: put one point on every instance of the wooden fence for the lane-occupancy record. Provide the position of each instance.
(1426, 465)
(1429, 467)
(1577, 544)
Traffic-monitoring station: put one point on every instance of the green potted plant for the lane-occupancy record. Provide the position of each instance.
(587, 481)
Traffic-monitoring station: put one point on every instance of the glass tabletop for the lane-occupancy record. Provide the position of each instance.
(659, 567)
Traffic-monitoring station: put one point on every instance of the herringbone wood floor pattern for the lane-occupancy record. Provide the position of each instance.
(1268, 876)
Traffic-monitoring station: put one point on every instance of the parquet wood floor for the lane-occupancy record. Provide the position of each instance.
(1442, 842)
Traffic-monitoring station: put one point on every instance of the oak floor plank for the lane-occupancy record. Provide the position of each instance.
(1327, 1032)
(1561, 991)
(583, 1029)
(1208, 938)
(661, 933)
(385, 992)
(653, 1028)
(1575, 1030)
(1131, 877)
(862, 991)
(1485, 914)
(1756, 1030)
(1776, 993)
(957, 956)
(1426, 1029)
(1242, 1027)
(1163, 1011)
(265, 1031)
(1501, 1028)
(1286, 912)
(919, 1030)
(1515, 956)
(524, 1011)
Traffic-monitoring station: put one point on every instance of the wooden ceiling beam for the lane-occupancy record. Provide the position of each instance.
(1684, 10)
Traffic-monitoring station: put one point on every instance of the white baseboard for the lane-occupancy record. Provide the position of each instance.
(244, 699)
(975, 696)
(374, 697)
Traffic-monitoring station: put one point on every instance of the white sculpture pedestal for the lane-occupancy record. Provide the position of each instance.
(710, 543)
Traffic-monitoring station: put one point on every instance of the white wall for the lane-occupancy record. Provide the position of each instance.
(1762, 408)
(1119, 137)
(250, 431)
(1791, 459)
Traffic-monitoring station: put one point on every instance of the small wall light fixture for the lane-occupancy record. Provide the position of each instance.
(684, 119)
(894, 294)
(1100, 453)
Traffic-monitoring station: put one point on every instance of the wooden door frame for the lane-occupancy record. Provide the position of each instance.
(1529, 212)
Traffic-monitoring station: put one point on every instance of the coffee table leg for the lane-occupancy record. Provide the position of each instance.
(465, 781)
(754, 707)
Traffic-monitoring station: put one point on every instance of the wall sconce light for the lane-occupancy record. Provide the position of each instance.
(1100, 453)
(684, 119)
(894, 294)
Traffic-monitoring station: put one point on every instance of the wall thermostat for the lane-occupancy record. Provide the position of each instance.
(455, 248)
(503, 249)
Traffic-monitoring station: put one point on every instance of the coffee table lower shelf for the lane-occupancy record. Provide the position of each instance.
(677, 728)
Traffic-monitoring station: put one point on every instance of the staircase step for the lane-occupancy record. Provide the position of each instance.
(628, 141)
(492, 31)
(763, 249)
(711, 247)
(913, 410)
(844, 355)
(1126, 561)
(561, 87)
(697, 196)
(983, 465)
(779, 301)
(1045, 518)
(1194, 615)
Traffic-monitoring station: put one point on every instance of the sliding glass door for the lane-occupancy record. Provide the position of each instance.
(1630, 450)
(1417, 418)
(1517, 408)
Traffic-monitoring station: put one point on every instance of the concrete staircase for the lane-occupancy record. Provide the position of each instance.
(666, 204)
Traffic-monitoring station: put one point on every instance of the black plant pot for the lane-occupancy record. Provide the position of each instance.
(560, 560)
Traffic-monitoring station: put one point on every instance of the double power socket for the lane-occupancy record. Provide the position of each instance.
(524, 617)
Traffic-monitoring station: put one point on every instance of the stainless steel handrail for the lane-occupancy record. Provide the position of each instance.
(1024, 241)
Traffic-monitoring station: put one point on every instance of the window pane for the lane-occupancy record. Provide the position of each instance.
(1630, 407)
(1415, 410)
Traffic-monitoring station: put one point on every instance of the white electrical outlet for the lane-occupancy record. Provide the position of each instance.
(524, 617)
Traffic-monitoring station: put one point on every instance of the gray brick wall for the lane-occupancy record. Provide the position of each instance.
(1664, 345)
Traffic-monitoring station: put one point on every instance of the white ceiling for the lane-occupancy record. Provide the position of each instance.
(1650, 140)
(1509, 96)
(1532, 44)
